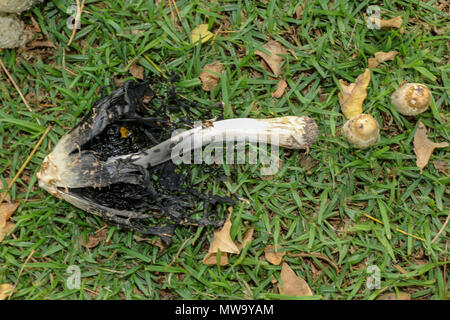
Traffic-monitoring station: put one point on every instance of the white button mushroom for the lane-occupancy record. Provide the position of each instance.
(411, 99)
(362, 130)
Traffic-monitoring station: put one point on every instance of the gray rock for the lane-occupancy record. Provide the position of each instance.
(12, 31)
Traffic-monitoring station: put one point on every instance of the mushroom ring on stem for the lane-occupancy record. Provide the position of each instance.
(84, 172)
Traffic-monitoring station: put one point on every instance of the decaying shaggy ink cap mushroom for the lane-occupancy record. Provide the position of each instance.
(362, 130)
(411, 99)
(12, 31)
(116, 163)
(15, 6)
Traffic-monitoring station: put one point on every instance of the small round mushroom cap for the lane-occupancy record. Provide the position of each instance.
(362, 130)
(411, 99)
(15, 6)
(12, 31)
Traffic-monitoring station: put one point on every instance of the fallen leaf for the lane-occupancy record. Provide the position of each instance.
(118, 82)
(389, 23)
(5, 290)
(137, 71)
(424, 147)
(317, 255)
(95, 239)
(442, 166)
(373, 63)
(352, 96)
(6, 211)
(158, 242)
(385, 56)
(36, 26)
(210, 75)
(274, 257)
(381, 57)
(323, 97)
(200, 32)
(281, 87)
(266, 67)
(299, 11)
(246, 238)
(222, 239)
(293, 285)
(395, 296)
(5, 230)
(211, 259)
(293, 53)
(37, 44)
(273, 59)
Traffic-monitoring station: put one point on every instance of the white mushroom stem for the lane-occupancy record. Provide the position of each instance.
(290, 132)
(68, 167)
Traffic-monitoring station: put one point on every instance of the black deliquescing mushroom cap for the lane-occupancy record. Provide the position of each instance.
(152, 199)
(120, 161)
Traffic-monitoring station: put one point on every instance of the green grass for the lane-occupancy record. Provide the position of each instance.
(311, 210)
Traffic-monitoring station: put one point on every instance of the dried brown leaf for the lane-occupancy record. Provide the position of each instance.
(299, 11)
(210, 75)
(391, 23)
(373, 63)
(352, 96)
(317, 255)
(6, 211)
(158, 242)
(395, 296)
(293, 285)
(442, 166)
(273, 59)
(38, 44)
(274, 257)
(36, 27)
(137, 71)
(424, 147)
(222, 240)
(385, 56)
(388, 23)
(381, 57)
(200, 32)
(211, 259)
(5, 290)
(246, 238)
(281, 87)
(5, 230)
(95, 239)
